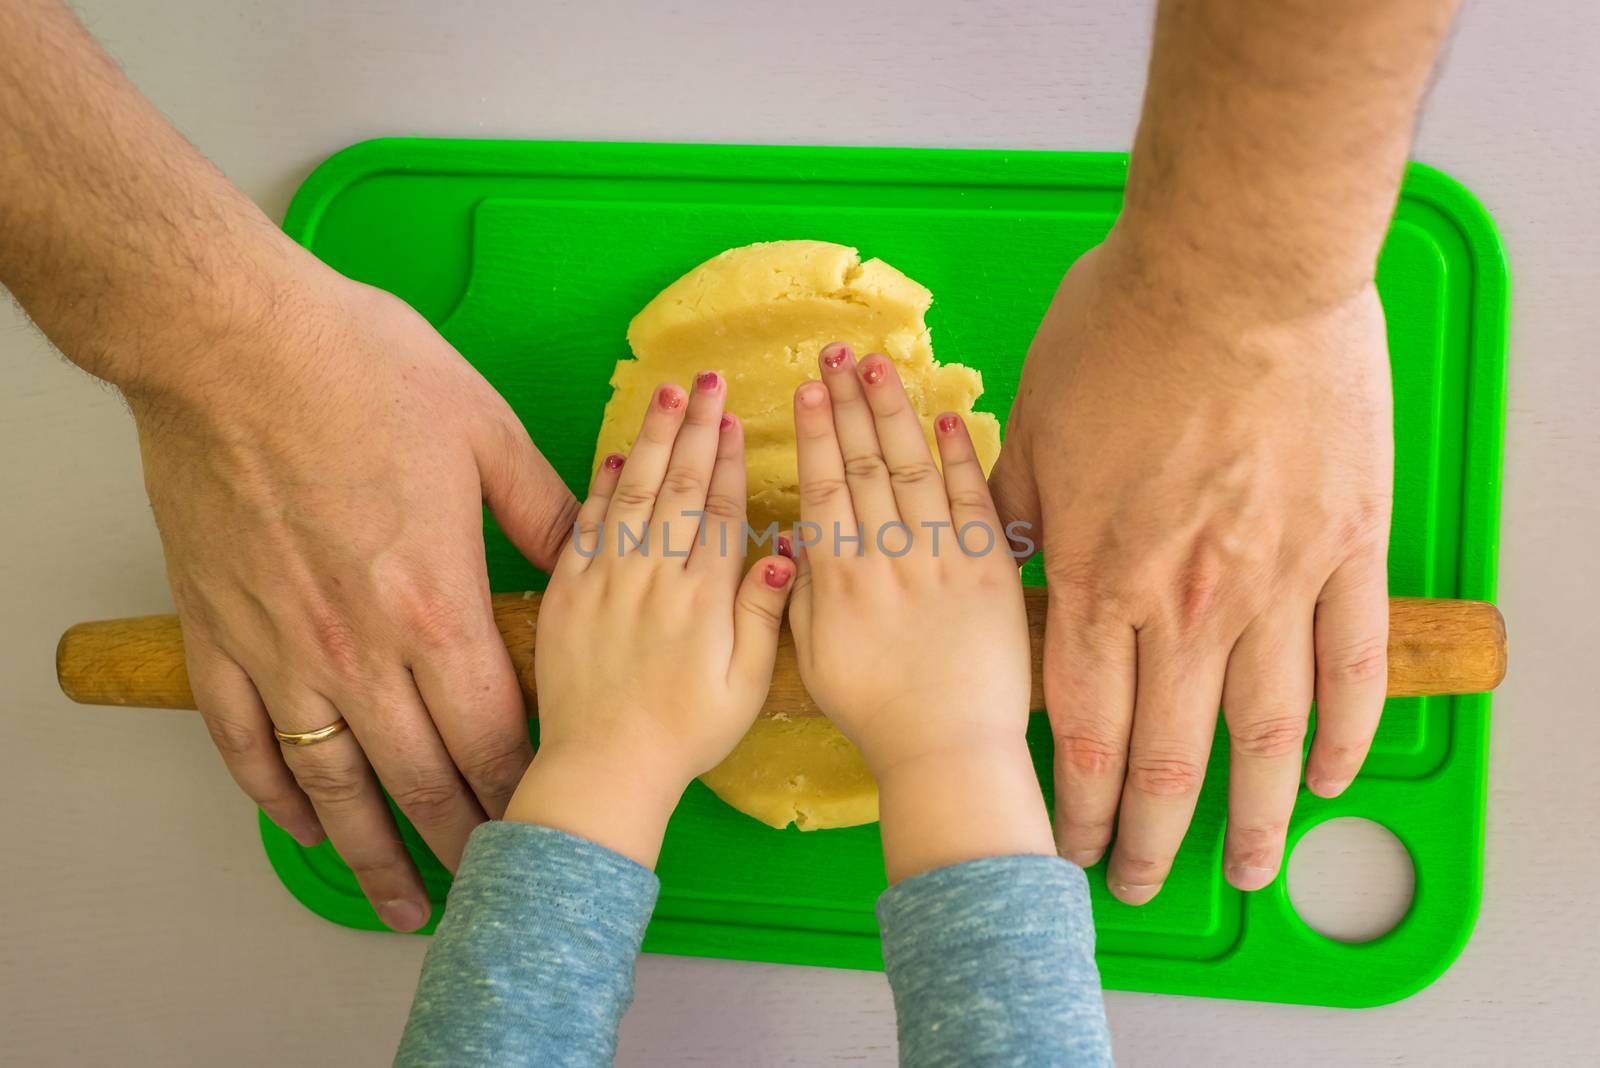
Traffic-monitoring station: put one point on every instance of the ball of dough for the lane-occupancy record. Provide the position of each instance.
(759, 315)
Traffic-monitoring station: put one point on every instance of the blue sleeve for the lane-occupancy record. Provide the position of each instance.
(992, 962)
(533, 961)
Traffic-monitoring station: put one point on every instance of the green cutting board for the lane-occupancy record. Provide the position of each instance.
(532, 257)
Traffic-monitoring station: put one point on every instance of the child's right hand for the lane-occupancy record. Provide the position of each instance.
(921, 656)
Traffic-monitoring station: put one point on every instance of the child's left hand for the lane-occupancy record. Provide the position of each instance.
(651, 663)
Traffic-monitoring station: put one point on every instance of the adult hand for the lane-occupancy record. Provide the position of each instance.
(1211, 484)
(318, 480)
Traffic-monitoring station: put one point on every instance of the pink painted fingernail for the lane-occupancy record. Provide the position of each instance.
(777, 576)
(948, 423)
(813, 395)
(706, 381)
(834, 355)
(874, 369)
(614, 461)
(785, 546)
(670, 398)
(727, 421)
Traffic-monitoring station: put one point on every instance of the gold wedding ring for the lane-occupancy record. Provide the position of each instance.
(321, 734)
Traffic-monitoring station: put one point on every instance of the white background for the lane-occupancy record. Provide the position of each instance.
(141, 923)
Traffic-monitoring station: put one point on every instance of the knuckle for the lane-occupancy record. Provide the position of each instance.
(330, 786)
(916, 473)
(1084, 834)
(1362, 661)
(1141, 867)
(865, 466)
(1259, 845)
(235, 740)
(496, 765)
(1089, 755)
(1199, 591)
(428, 799)
(550, 529)
(817, 492)
(1083, 588)
(1364, 527)
(970, 500)
(1165, 776)
(724, 506)
(683, 482)
(436, 622)
(334, 637)
(634, 496)
(762, 609)
(1272, 736)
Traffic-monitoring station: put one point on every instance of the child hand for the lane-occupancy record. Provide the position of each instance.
(653, 657)
(913, 640)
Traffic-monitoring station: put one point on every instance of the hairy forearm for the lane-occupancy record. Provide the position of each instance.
(126, 246)
(1273, 140)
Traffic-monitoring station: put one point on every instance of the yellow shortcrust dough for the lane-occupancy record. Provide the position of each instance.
(759, 315)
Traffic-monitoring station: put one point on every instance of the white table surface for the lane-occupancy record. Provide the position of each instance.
(142, 925)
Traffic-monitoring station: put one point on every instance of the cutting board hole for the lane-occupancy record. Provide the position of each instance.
(1351, 879)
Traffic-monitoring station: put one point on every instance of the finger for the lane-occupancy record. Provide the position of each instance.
(720, 551)
(401, 741)
(1266, 700)
(634, 499)
(344, 790)
(919, 491)
(824, 492)
(1016, 498)
(1089, 666)
(865, 469)
(800, 593)
(694, 455)
(473, 698)
(757, 615)
(1174, 719)
(239, 727)
(1352, 643)
(528, 499)
(970, 505)
(589, 536)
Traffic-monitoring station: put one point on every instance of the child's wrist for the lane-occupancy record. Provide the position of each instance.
(621, 804)
(976, 797)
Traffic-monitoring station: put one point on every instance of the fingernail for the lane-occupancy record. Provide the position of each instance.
(813, 394)
(614, 461)
(777, 576)
(873, 370)
(1134, 893)
(727, 421)
(785, 546)
(948, 423)
(835, 355)
(1085, 858)
(402, 915)
(707, 381)
(1247, 877)
(1327, 787)
(669, 397)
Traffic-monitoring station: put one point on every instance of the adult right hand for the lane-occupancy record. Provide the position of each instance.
(318, 478)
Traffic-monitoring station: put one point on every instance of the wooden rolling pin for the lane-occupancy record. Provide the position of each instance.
(1435, 647)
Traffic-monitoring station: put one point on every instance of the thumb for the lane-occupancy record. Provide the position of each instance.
(757, 615)
(1016, 499)
(524, 493)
